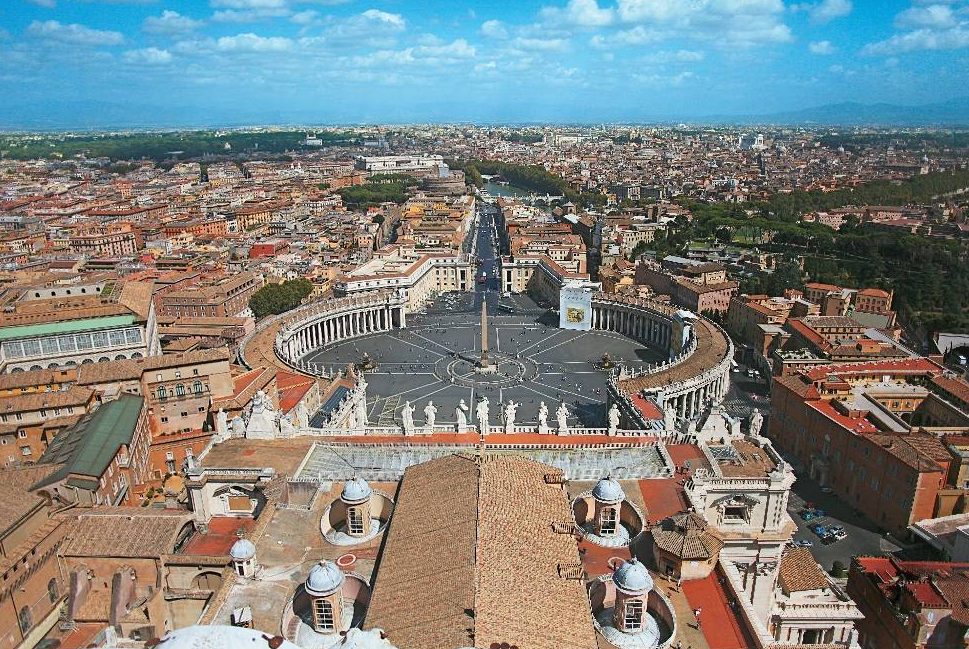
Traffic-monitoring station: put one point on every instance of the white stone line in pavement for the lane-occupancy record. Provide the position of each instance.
(546, 339)
(434, 342)
(562, 390)
(419, 387)
(407, 342)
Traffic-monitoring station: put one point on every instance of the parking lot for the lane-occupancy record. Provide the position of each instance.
(863, 537)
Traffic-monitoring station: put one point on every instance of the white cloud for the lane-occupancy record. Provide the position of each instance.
(249, 15)
(73, 33)
(579, 13)
(728, 23)
(430, 55)
(249, 4)
(933, 16)
(395, 21)
(148, 56)
(668, 57)
(823, 48)
(541, 44)
(920, 39)
(826, 10)
(170, 22)
(250, 42)
(637, 35)
(47, 4)
(307, 17)
(494, 29)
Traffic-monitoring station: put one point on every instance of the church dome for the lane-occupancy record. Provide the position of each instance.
(324, 579)
(242, 550)
(216, 635)
(356, 491)
(609, 491)
(633, 578)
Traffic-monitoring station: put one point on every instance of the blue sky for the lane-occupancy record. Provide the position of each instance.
(233, 61)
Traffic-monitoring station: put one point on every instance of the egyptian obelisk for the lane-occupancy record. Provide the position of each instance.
(484, 363)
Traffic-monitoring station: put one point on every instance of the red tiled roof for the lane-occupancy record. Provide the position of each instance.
(901, 366)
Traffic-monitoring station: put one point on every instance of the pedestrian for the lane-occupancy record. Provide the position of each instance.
(696, 614)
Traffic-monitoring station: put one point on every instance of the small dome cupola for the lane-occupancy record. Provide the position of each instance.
(356, 491)
(632, 578)
(242, 550)
(608, 491)
(243, 555)
(325, 578)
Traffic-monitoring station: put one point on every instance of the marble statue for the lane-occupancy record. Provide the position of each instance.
(222, 424)
(360, 411)
(302, 415)
(669, 417)
(238, 427)
(755, 424)
(613, 419)
(407, 416)
(542, 418)
(481, 413)
(511, 410)
(286, 428)
(460, 414)
(562, 414)
(430, 414)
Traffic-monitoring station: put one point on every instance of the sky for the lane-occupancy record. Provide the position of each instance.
(207, 62)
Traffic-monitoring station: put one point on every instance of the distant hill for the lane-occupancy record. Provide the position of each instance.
(954, 112)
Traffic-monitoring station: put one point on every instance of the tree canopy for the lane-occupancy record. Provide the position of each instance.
(279, 298)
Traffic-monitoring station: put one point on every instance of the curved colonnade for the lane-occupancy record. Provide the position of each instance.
(698, 351)
(698, 369)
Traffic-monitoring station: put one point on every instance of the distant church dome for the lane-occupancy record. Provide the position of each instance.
(242, 550)
(633, 578)
(356, 491)
(609, 491)
(324, 579)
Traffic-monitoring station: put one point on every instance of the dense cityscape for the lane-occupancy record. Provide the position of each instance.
(567, 324)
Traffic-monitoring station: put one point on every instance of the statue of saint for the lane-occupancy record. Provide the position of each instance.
(511, 410)
(481, 413)
(430, 414)
(302, 415)
(407, 416)
(613, 419)
(756, 422)
(222, 424)
(542, 418)
(460, 414)
(562, 414)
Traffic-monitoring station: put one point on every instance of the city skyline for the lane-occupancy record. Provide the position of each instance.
(77, 63)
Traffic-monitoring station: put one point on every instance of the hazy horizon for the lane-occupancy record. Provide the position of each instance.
(91, 63)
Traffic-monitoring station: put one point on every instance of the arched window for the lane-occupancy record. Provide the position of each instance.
(25, 619)
(633, 619)
(53, 592)
(180, 390)
(607, 521)
(323, 616)
(162, 392)
(355, 521)
(197, 387)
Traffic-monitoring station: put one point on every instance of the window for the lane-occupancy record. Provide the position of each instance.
(735, 514)
(25, 450)
(162, 392)
(197, 387)
(25, 619)
(607, 521)
(355, 521)
(180, 390)
(53, 592)
(633, 619)
(22, 434)
(323, 615)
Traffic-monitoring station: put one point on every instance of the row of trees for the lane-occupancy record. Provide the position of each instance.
(161, 146)
(359, 197)
(279, 298)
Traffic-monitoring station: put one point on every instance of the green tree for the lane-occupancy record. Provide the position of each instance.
(279, 298)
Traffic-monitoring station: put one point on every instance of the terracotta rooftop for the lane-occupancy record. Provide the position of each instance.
(687, 536)
(471, 559)
(126, 532)
(800, 571)
(18, 500)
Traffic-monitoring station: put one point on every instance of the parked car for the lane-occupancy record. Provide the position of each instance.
(827, 490)
(804, 543)
(819, 529)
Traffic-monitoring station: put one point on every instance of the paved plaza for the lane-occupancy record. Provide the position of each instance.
(433, 359)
